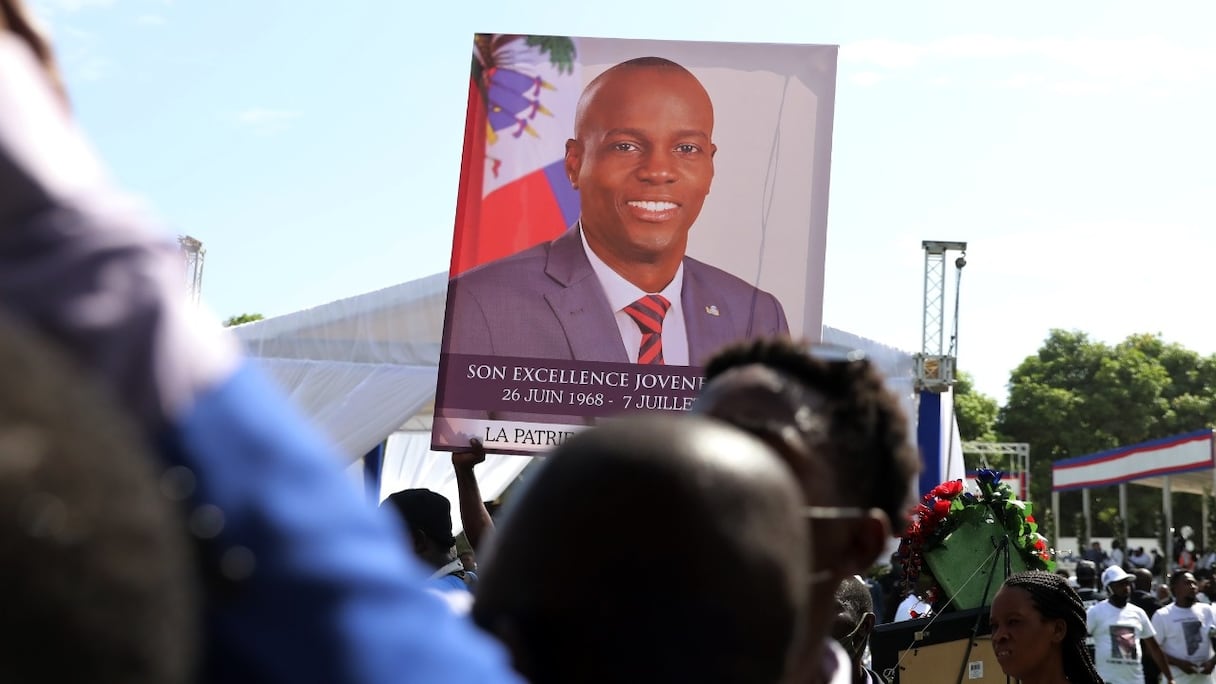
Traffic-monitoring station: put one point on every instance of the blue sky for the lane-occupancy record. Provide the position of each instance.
(314, 147)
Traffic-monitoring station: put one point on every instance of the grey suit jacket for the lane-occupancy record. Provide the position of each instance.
(545, 302)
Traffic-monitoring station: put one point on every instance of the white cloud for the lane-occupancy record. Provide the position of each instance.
(91, 68)
(1080, 87)
(1022, 80)
(866, 78)
(150, 20)
(81, 56)
(1108, 278)
(1069, 65)
(266, 120)
(885, 54)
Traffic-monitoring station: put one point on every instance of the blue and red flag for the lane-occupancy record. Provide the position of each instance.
(514, 192)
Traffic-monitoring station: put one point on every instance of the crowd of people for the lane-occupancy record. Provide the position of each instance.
(168, 517)
(1135, 558)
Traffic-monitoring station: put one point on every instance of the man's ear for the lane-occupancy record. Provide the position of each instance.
(866, 543)
(867, 623)
(574, 161)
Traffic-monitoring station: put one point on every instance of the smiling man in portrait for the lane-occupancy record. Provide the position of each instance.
(618, 286)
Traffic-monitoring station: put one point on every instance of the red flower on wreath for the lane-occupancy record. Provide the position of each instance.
(923, 522)
(948, 490)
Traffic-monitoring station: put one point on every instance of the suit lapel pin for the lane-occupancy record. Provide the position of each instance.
(712, 310)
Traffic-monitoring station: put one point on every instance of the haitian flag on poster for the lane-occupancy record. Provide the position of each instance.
(514, 192)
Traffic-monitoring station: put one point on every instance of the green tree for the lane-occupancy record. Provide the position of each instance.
(242, 319)
(976, 413)
(1077, 396)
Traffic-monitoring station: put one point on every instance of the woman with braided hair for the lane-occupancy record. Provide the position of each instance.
(1038, 631)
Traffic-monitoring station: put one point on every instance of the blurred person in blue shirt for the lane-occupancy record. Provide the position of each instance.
(303, 580)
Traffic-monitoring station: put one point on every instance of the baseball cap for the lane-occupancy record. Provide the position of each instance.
(426, 511)
(1114, 574)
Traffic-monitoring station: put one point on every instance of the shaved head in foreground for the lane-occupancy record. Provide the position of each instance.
(632, 500)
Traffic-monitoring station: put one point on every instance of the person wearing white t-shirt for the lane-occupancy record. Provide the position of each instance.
(1184, 630)
(1119, 628)
(1140, 558)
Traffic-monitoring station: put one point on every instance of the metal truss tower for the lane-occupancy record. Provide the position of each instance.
(193, 254)
(1011, 457)
(935, 363)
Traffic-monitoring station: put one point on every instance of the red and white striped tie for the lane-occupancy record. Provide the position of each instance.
(648, 312)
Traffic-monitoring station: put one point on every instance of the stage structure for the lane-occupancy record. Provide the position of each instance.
(1013, 458)
(936, 431)
(1178, 463)
(193, 255)
(935, 363)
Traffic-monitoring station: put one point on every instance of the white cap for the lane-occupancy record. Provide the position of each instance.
(1114, 574)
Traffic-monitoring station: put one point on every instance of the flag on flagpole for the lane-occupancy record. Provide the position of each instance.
(941, 446)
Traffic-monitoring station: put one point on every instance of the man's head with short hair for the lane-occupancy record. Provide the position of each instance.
(854, 617)
(1087, 574)
(1183, 587)
(469, 560)
(1143, 579)
(634, 499)
(844, 436)
(428, 517)
(642, 161)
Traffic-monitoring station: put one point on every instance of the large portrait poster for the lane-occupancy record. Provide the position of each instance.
(627, 208)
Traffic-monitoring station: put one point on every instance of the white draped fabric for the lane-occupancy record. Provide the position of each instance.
(356, 404)
(359, 367)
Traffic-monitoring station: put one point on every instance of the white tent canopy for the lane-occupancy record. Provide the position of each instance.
(360, 367)
(364, 370)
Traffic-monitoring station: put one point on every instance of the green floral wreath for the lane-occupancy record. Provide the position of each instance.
(946, 507)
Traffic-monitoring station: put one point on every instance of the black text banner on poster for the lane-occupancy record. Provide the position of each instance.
(506, 436)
